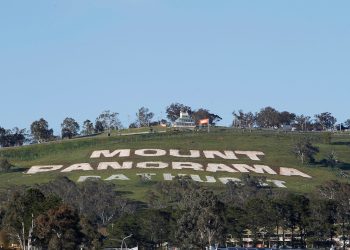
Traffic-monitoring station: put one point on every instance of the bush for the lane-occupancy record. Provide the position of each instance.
(327, 137)
(331, 160)
(5, 165)
(305, 151)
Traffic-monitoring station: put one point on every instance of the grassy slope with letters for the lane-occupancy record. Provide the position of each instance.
(277, 147)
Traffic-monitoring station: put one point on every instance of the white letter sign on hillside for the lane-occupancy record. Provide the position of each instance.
(85, 178)
(152, 164)
(79, 166)
(260, 169)
(226, 180)
(108, 154)
(193, 153)
(228, 155)
(213, 161)
(119, 177)
(209, 179)
(253, 155)
(41, 169)
(215, 167)
(150, 152)
(188, 165)
(114, 165)
(293, 171)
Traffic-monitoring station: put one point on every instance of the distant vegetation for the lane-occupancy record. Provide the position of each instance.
(108, 121)
(62, 215)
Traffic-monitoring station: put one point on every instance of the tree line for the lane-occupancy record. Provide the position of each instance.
(107, 121)
(63, 215)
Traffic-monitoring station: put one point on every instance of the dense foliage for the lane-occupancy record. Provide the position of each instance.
(182, 213)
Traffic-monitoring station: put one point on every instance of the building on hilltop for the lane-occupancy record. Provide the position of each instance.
(185, 121)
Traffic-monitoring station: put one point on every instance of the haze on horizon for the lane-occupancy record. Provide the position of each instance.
(78, 58)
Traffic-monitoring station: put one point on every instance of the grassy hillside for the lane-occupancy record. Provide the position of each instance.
(276, 146)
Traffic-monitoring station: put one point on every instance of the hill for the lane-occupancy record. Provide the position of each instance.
(276, 146)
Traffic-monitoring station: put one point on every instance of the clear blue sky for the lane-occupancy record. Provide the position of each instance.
(76, 58)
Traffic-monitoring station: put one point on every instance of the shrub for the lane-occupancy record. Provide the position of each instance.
(305, 151)
(327, 137)
(5, 165)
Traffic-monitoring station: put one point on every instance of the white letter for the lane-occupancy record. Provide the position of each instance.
(278, 183)
(228, 155)
(253, 155)
(152, 164)
(193, 153)
(107, 153)
(146, 176)
(214, 167)
(168, 177)
(191, 165)
(79, 166)
(154, 152)
(244, 168)
(120, 177)
(292, 171)
(210, 179)
(84, 178)
(114, 165)
(39, 169)
(226, 180)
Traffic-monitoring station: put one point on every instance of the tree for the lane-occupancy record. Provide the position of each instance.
(69, 128)
(21, 210)
(286, 118)
(98, 201)
(40, 131)
(126, 225)
(257, 218)
(243, 120)
(133, 125)
(99, 127)
(347, 123)
(204, 114)
(298, 214)
(59, 228)
(4, 240)
(92, 239)
(18, 136)
(340, 194)
(303, 123)
(174, 109)
(268, 118)
(144, 117)
(109, 120)
(197, 230)
(156, 226)
(234, 222)
(322, 223)
(88, 128)
(304, 150)
(11, 138)
(238, 193)
(326, 120)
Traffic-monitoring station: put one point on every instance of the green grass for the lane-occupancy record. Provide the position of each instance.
(276, 146)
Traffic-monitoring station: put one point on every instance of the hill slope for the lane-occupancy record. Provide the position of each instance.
(277, 149)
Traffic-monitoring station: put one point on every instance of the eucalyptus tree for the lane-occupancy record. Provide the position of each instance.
(40, 131)
(69, 128)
